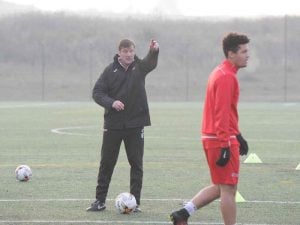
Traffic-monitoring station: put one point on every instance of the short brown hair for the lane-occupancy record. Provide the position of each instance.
(126, 43)
(232, 41)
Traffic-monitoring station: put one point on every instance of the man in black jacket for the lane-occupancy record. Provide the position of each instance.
(121, 91)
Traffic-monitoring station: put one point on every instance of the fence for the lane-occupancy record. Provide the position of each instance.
(60, 72)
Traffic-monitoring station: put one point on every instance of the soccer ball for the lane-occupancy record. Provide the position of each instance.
(125, 203)
(23, 173)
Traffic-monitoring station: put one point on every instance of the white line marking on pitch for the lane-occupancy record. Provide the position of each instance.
(64, 130)
(31, 105)
(21, 106)
(146, 199)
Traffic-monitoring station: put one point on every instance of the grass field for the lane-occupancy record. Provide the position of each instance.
(61, 143)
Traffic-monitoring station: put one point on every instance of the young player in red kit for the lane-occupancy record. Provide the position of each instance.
(221, 138)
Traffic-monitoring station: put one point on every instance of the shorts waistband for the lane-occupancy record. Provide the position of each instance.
(211, 136)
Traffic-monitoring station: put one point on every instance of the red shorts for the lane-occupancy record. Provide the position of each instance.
(228, 174)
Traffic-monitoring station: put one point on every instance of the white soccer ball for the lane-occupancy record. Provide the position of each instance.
(125, 203)
(23, 173)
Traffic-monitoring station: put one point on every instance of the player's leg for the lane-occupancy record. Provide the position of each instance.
(212, 192)
(206, 196)
(228, 204)
(134, 145)
(201, 199)
(228, 180)
(109, 154)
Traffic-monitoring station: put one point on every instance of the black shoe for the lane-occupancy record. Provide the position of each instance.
(137, 209)
(96, 206)
(180, 217)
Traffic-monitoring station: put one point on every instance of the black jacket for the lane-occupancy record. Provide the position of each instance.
(128, 87)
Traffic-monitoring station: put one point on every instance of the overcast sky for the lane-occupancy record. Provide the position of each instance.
(173, 7)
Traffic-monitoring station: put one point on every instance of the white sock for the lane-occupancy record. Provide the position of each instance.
(190, 207)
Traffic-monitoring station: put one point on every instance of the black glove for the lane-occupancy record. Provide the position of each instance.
(243, 144)
(224, 157)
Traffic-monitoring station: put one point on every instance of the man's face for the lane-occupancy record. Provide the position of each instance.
(127, 55)
(240, 58)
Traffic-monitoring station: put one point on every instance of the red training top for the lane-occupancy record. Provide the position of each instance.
(220, 116)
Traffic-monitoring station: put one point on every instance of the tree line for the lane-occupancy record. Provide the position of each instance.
(59, 56)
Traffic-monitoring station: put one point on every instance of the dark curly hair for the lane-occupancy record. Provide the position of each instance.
(232, 41)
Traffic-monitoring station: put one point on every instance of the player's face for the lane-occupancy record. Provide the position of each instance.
(127, 55)
(240, 58)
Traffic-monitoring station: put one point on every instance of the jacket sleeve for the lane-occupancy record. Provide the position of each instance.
(100, 92)
(223, 96)
(149, 63)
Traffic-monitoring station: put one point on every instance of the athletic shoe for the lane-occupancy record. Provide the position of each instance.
(137, 209)
(180, 217)
(96, 206)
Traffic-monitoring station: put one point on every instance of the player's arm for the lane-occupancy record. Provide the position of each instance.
(100, 92)
(149, 63)
(223, 96)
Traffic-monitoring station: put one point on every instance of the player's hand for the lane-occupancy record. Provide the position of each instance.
(118, 105)
(243, 144)
(154, 45)
(224, 157)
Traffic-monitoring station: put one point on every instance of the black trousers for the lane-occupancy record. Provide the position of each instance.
(133, 139)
